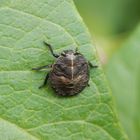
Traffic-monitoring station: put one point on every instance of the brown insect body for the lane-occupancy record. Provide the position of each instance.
(70, 73)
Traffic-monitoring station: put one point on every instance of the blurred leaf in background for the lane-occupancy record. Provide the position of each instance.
(123, 72)
(111, 22)
(109, 16)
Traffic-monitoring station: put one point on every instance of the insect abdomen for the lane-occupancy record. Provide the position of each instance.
(67, 83)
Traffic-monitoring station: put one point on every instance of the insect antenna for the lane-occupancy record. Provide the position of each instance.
(51, 50)
(76, 51)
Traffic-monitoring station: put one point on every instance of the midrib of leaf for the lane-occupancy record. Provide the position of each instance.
(31, 111)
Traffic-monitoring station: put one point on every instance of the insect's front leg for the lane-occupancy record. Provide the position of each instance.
(42, 67)
(91, 65)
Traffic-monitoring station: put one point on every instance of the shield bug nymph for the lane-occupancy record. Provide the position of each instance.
(69, 75)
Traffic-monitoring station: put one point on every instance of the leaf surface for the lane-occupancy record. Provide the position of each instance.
(29, 113)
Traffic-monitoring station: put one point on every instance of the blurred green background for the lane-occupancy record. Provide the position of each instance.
(115, 29)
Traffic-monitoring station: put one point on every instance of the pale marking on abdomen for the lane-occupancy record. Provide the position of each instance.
(71, 57)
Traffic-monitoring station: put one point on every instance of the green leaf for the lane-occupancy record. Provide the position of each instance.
(124, 76)
(109, 17)
(30, 113)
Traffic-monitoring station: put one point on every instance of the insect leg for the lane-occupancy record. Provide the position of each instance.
(91, 65)
(42, 67)
(51, 50)
(45, 81)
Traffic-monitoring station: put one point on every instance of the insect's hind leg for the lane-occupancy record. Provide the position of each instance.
(42, 67)
(45, 81)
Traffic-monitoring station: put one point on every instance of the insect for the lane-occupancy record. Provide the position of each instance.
(69, 75)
